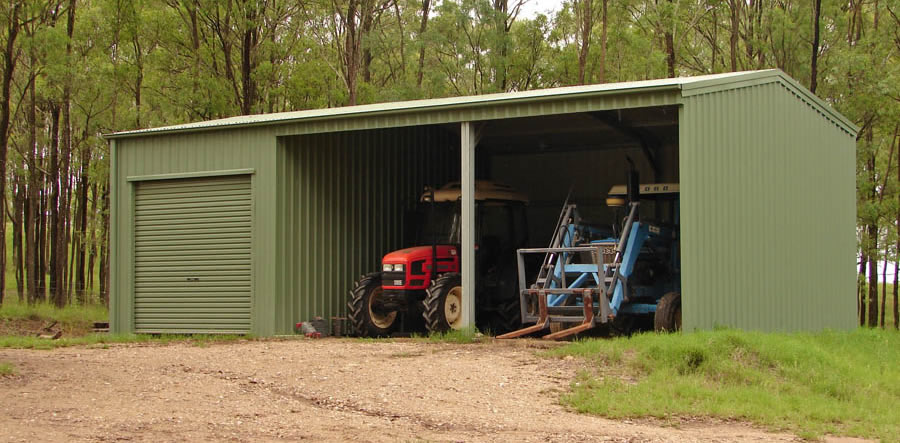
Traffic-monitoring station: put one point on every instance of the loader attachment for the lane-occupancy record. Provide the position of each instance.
(571, 288)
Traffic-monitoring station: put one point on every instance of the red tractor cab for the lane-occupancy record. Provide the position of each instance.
(420, 289)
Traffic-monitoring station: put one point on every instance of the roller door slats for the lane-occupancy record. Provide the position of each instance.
(211, 201)
(179, 329)
(150, 226)
(213, 269)
(193, 229)
(189, 316)
(155, 275)
(216, 297)
(181, 261)
(187, 204)
(207, 306)
(211, 244)
(190, 252)
(179, 213)
(196, 234)
(193, 287)
(224, 195)
(199, 321)
(207, 187)
(170, 186)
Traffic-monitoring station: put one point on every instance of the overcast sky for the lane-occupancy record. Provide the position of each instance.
(532, 7)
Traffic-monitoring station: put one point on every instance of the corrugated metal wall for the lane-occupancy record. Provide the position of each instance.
(768, 212)
(186, 155)
(342, 201)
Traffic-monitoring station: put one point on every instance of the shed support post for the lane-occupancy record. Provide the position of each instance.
(468, 141)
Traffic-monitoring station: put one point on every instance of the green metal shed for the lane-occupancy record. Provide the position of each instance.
(250, 224)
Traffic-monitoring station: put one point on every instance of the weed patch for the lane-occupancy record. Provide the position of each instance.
(465, 335)
(841, 383)
(26, 319)
(7, 369)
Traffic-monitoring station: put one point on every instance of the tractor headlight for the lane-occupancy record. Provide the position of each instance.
(398, 268)
(387, 267)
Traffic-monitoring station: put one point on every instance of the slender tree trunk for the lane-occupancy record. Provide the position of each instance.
(104, 247)
(18, 226)
(861, 286)
(81, 221)
(62, 221)
(873, 278)
(53, 229)
(367, 22)
(351, 51)
(32, 198)
(43, 231)
(426, 9)
(887, 251)
(814, 65)
(735, 31)
(586, 23)
(603, 28)
(9, 66)
(92, 243)
(250, 40)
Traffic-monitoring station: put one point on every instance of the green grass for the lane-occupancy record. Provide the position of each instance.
(841, 383)
(465, 335)
(19, 342)
(7, 369)
(71, 315)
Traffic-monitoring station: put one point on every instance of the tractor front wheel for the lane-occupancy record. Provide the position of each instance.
(367, 318)
(668, 313)
(444, 304)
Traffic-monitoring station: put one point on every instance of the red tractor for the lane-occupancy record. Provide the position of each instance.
(422, 284)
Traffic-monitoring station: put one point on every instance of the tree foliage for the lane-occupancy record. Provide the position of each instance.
(74, 69)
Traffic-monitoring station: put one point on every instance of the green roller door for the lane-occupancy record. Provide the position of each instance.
(192, 255)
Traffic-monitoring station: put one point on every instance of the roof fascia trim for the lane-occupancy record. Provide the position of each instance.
(505, 101)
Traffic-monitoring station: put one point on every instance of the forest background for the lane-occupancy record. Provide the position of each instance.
(75, 69)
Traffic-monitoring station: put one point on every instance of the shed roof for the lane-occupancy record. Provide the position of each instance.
(688, 86)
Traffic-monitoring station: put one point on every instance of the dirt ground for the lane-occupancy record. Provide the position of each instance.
(318, 390)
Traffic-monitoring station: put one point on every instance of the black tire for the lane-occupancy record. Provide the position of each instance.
(668, 313)
(438, 314)
(363, 320)
(508, 317)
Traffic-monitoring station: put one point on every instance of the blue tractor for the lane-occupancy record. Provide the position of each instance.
(589, 277)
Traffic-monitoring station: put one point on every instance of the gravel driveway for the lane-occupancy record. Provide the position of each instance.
(318, 390)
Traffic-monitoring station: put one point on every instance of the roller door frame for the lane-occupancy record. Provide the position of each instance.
(133, 182)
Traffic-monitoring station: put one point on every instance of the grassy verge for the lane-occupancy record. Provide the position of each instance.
(23, 320)
(20, 342)
(7, 369)
(71, 316)
(841, 383)
(465, 335)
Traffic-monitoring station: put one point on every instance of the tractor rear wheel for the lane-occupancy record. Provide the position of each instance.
(366, 317)
(444, 304)
(668, 313)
